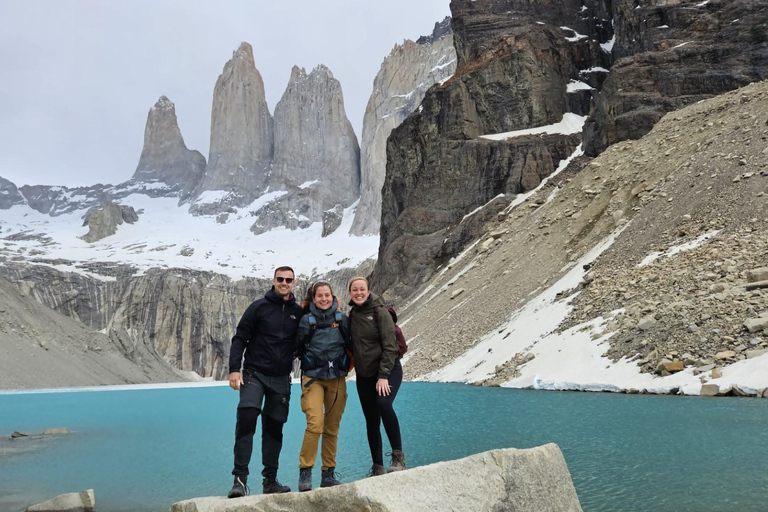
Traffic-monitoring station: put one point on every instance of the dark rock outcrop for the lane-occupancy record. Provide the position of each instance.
(672, 54)
(164, 157)
(515, 61)
(9, 195)
(332, 219)
(102, 222)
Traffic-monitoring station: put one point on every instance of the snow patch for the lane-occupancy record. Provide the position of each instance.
(570, 124)
(575, 85)
(678, 248)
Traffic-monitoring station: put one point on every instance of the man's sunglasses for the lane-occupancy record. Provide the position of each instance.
(288, 280)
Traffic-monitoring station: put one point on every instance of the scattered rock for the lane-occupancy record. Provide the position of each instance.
(751, 354)
(756, 324)
(757, 274)
(726, 354)
(646, 323)
(456, 293)
(709, 390)
(716, 373)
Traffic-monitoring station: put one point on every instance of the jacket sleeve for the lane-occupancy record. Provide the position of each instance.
(302, 333)
(388, 343)
(242, 337)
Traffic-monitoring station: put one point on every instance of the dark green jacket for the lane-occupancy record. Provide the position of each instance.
(374, 346)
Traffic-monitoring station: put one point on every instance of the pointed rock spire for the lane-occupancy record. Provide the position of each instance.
(241, 129)
(314, 140)
(165, 157)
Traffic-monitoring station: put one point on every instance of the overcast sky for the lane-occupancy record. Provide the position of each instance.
(77, 77)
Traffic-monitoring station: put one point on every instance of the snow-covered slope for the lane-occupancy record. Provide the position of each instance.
(168, 236)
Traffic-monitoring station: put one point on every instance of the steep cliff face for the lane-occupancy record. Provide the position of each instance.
(524, 64)
(515, 63)
(186, 317)
(671, 54)
(314, 140)
(241, 132)
(317, 158)
(399, 87)
(164, 157)
(44, 349)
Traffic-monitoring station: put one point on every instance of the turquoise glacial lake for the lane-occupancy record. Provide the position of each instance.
(143, 450)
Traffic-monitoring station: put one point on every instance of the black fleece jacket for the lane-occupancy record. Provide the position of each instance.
(266, 333)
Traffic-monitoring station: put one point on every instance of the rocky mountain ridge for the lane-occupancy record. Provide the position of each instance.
(398, 89)
(527, 64)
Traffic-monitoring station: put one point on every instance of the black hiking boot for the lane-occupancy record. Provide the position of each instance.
(377, 470)
(398, 461)
(240, 488)
(272, 486)
(329, 478)
(305, 479)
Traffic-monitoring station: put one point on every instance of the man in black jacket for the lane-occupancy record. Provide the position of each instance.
(265, 334)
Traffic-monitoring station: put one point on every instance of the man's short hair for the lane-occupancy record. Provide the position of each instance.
(284, 268)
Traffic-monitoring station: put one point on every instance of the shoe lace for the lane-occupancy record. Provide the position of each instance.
(394, 457)
(245, 486)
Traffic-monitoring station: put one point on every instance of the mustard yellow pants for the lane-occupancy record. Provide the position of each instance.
(323, 402)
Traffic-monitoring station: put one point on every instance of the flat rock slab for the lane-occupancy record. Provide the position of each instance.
(83, 501)
(535, 480)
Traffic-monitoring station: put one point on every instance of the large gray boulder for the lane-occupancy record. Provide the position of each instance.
(404, 77)
(83, 501)
(102, 222)
(535, 480)
(164, 157)
(241, 132)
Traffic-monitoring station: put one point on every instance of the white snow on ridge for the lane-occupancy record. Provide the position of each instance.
(575, 85)
(608, 45)
(576, 36)
(308, 184)
(164, 230)
(570, 124)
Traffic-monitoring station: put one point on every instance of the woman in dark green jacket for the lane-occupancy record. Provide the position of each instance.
(379, 372)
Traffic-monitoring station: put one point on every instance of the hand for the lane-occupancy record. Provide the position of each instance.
(236, 380)
(382, 387)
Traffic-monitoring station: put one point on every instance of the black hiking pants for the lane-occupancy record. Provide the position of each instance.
(275, 393)
(378, 409)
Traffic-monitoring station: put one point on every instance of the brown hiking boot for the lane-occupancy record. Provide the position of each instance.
(398, 461)
(377, 470)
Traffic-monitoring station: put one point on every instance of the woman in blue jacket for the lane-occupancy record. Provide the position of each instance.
(320, 346)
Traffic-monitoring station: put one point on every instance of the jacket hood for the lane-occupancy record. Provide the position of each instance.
(320, 313)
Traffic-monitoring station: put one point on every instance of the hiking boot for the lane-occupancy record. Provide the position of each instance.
(240, 488)
(272, 486)
(398, 461)
(377, 470)
(329, 478)
(305, 479)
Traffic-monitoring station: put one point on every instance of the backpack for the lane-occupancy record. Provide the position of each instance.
(402, 346)
(347, 362)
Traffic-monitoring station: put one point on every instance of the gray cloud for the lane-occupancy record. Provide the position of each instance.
(80, 75)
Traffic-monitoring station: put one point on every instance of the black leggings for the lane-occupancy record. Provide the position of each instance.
(378, 409)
